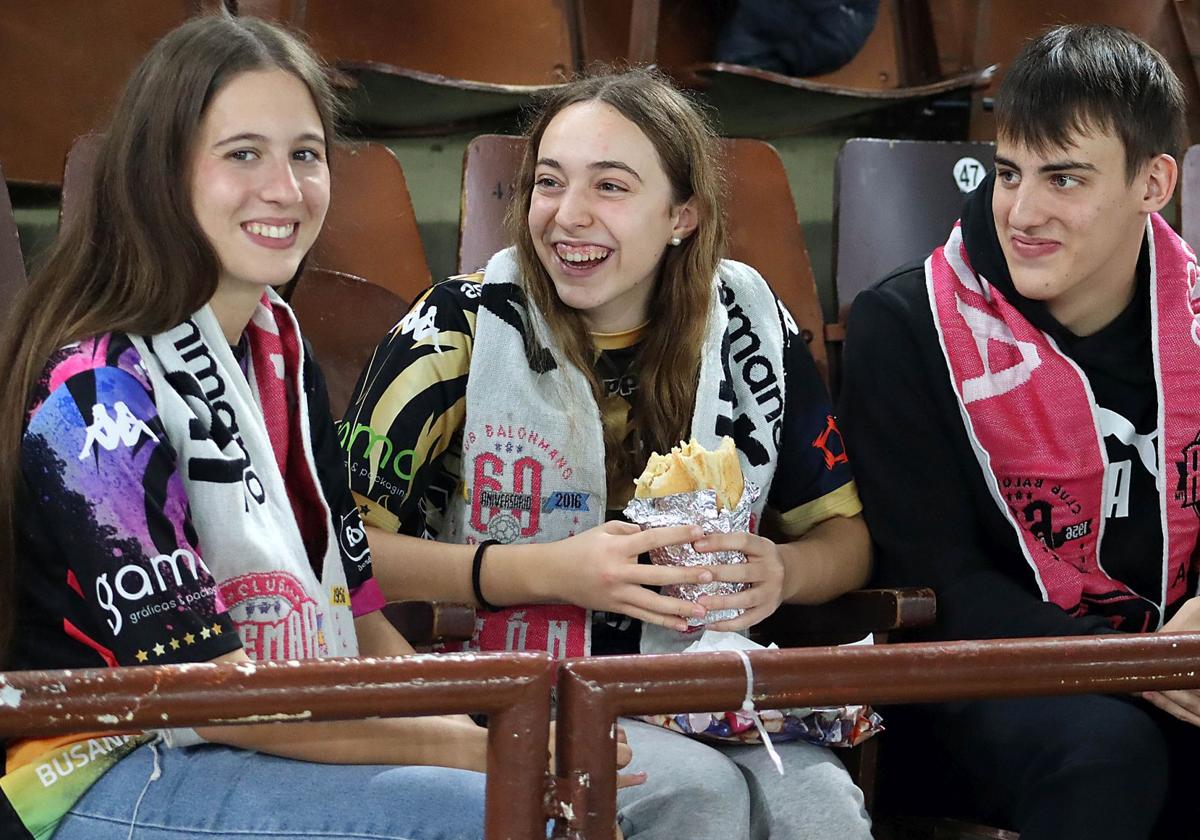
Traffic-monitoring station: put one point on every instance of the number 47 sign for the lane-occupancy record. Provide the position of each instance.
(968, 172)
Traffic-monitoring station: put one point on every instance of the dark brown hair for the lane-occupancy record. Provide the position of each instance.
(135, 259)
(668, 360)
(1079, 79)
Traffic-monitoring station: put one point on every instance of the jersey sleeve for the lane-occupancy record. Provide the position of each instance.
(813, 482)
(98, 465)
(365, 594)
(410, 405)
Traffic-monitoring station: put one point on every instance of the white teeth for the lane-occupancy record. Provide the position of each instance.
(587, 253)
(270, 231)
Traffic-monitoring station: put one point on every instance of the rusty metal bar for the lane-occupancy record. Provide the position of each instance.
(514, 689)
(592, 693)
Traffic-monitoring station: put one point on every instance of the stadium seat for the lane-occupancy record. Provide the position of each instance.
(897, 64)
(411, 65)
(12, 266)
(1189, 188)
(1003, 26)
(62, 66)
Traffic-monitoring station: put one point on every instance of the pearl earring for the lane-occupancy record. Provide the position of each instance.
(675, 240)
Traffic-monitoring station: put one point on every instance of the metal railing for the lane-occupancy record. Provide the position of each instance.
(512, 689)
(593, 693)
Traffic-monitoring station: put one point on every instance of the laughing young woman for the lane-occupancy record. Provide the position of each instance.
(516, 407)
(169, 477)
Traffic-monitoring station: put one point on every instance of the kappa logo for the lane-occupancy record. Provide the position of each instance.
(110, 431)
(1187, 489)
(420, 324)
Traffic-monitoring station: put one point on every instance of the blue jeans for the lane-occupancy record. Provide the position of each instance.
(221, 793)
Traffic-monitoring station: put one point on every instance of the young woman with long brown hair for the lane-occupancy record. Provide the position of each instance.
(505, 418)
(171, 483)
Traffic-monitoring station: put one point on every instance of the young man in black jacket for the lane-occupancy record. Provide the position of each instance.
(1024, 415)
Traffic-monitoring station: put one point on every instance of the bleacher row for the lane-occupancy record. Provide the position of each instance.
(918, 186)
(361, 276)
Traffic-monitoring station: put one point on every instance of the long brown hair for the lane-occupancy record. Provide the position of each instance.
(135, 259)
(668, 356)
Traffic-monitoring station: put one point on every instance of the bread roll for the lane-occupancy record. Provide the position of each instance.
(690, 467)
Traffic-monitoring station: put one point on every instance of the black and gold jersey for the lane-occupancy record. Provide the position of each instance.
(402, 432)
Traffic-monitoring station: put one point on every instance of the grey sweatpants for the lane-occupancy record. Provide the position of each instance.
(734, 792)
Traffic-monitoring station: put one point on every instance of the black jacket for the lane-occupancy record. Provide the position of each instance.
(932, 518)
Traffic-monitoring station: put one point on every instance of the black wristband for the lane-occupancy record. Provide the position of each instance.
(476, 566)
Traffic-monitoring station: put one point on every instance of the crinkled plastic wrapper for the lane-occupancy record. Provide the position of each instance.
(696, 508)
(833, 726)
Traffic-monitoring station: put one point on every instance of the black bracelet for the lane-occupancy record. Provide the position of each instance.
(476, 566)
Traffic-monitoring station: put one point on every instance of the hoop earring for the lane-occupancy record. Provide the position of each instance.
(675, 240)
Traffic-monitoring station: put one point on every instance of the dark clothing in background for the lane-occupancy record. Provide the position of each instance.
(796, 37)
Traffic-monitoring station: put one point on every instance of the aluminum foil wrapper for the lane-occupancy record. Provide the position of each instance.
(696, 508)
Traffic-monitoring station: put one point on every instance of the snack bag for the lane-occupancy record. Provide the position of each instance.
(826, 726)
(691, 485)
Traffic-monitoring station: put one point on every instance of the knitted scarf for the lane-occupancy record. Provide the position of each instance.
(1033, 424)
(245, 455)
(533, 444)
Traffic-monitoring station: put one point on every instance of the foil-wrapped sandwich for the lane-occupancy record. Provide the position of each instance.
(691, 485)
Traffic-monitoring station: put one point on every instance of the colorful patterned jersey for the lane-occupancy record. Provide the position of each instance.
(112, 570)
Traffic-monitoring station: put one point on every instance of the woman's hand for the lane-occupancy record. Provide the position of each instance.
(599, 569)
(1183, 703)
(763, 571)
(624, 756)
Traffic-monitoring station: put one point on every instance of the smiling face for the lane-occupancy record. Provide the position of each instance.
(1071, 224)
(259, 181)
(602, 214)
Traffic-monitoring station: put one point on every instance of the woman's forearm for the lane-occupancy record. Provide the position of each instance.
(410, 568)
(439, 741)
(833, 558)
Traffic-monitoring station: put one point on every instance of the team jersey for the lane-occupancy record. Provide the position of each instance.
(410, 407)
(111, 568)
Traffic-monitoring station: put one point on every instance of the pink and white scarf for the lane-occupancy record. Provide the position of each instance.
(1033, 423)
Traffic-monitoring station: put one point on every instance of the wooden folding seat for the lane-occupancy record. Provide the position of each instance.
(761, 216)
(343, 317)
(12, 266)
(898, 63)
(1003, 26)
(1189, 188)
(62, 66)
(412, 65)
(894, 202)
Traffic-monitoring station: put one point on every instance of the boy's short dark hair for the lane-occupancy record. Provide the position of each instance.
(1077, 79)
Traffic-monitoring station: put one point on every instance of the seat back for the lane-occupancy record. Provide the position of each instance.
(370, 230)
(894, 202)
(1189, 188)
(343, 317)
(1003, 26)
(62, 66)
(12, 266)
(507, 42)
(763, 228)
